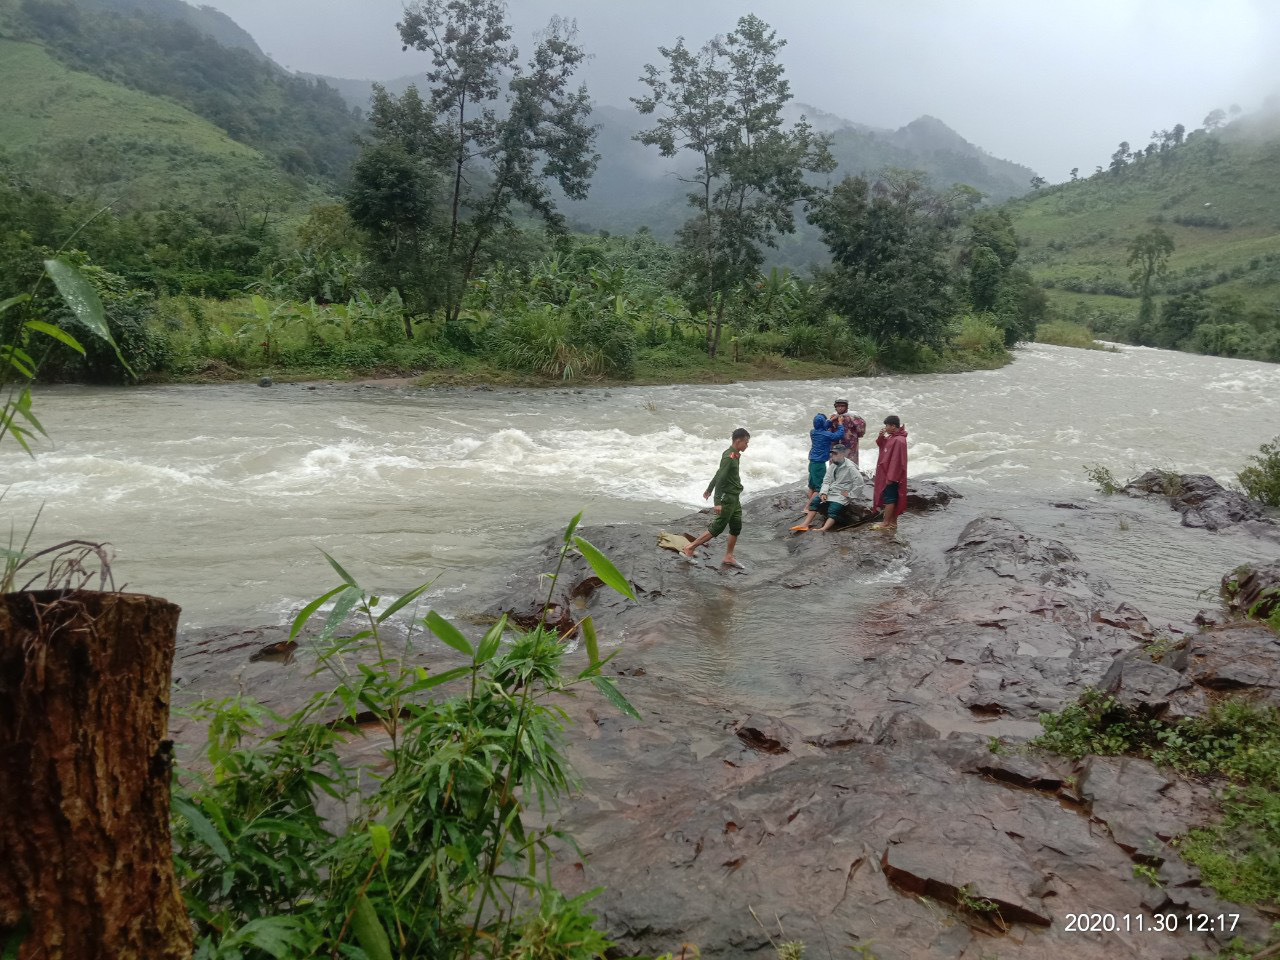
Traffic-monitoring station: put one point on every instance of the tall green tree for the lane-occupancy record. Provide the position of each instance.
(396, 184)
(504, 131)
(724, 103)
(891, 275)
(1149, 256)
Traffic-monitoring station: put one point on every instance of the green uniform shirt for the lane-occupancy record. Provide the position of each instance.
(727, 484)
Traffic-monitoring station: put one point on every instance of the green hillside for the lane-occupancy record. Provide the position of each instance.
(201, 61)
(1216, 195)
(82, 134)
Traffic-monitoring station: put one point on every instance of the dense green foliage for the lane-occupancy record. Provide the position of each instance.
(290, 843)
(431, 264)
(893, 276)
(1261, 479)
(1196, 215)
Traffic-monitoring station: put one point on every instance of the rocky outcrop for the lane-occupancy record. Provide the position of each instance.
(865, 804)
(1253, 591)
(1203, 502)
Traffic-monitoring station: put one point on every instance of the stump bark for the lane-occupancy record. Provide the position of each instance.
(86, 861)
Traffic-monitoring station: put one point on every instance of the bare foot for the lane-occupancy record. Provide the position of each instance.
(730, 562)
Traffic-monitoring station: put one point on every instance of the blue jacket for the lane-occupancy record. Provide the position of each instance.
(822, 439)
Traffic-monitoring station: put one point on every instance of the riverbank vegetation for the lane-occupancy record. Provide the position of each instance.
(428, 264)
(1065, 333)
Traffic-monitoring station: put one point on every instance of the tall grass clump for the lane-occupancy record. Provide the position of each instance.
(435, 846)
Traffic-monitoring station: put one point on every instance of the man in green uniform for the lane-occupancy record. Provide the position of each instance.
(727, 487)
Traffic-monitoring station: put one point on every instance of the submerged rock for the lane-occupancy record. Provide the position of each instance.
(1203, 502)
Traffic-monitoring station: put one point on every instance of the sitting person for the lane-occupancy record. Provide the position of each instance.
(842, 481)
(821, 437)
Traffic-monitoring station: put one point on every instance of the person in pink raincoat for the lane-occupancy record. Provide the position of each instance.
(891, 472)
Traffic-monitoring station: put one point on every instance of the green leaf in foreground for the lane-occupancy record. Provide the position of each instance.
(447, 632)
(49, 330)
(611, 693)
(79, 295)
(603, 568)
(370, 933)
(589, 638)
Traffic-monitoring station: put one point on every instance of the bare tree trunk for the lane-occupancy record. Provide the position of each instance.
(86, 860)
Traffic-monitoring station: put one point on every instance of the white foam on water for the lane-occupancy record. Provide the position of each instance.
(895, 572)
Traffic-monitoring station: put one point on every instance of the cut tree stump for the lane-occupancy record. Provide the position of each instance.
(86, 859)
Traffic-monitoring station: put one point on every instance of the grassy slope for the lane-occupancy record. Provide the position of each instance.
(1078, 233)
(142, 146)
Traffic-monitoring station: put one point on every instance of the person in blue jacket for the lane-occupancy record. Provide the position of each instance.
(824, 433)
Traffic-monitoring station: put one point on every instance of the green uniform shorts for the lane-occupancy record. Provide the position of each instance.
(730, 516)
(817, 473)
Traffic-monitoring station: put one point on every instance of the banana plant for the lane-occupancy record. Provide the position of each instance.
(19, 365)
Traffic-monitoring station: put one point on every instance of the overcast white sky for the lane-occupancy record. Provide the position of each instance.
(1051, 85)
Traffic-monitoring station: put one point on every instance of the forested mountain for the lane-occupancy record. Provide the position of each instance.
(1214, 193)
(198, 59)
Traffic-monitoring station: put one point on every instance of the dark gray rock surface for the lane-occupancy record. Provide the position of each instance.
(1203, 502)
(861, 805)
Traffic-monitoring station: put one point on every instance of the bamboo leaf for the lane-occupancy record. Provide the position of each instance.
(426, 683)
(573, 525)
(450, 634)
(346, 601)
(611, 693)
(14, 301)
(370, 933)
(203, 828)
(589, 638)
(492, 638)
(49, 330)
(380, 838)
(341, 572)
(403, 601)
(603, 568)
(306, 612)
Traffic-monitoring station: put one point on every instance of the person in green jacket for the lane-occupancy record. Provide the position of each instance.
(727, 487)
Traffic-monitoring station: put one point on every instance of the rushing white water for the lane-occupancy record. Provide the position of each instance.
(219, 497)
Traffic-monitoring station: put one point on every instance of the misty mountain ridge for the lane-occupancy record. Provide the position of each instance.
(635, 187)
(207, 20)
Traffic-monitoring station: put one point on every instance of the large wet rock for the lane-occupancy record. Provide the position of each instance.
(1203, 502)
(858, 805)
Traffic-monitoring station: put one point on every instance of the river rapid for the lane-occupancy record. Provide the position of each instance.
(221, 497)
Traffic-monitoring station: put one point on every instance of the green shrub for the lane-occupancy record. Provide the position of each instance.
(1262, 480)
(1064, 333)
(539, 341)
(436, 847)
(673, 355)
(978, 335)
